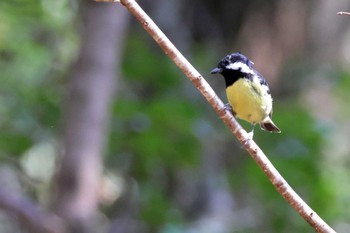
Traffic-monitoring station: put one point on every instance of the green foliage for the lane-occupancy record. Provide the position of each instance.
(341, 93)
(153, 124)
(149, 73)
(156, 120)
(32, 65)
(158, 130)
(157, 209)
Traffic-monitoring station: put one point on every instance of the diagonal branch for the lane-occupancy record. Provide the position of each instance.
(31, 216)
(256, 153)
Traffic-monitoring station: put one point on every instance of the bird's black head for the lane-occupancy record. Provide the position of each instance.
(234, 61)
(233, 67)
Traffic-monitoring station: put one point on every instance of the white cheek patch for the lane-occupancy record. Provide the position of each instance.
(239, 66)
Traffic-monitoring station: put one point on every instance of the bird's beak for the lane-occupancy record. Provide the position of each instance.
(216, 70)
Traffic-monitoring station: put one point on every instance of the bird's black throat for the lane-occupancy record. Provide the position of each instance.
(231, 76)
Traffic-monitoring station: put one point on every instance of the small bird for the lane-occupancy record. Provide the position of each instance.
(247, 91)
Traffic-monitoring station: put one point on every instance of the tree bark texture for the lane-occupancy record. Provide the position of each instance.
(87, 111)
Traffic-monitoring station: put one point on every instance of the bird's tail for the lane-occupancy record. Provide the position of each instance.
(269, 126)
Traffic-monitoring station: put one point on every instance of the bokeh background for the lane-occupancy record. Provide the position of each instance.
(101, 132)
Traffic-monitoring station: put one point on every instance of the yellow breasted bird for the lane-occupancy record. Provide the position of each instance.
(247, 91)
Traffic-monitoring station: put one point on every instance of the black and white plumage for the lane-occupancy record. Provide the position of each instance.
(247, 91)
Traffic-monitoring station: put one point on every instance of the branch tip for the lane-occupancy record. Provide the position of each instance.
(343, 13)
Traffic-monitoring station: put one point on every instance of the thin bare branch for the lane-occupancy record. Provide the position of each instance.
(256, 153)
(31, 216)
(343, 13)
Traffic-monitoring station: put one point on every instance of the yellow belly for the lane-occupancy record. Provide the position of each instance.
(249, 100)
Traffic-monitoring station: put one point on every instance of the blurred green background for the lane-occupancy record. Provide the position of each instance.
(166, 163)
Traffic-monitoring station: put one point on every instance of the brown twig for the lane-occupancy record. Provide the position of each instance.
(257, 154)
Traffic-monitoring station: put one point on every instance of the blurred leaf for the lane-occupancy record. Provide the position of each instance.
(150, 74)
(14, 144)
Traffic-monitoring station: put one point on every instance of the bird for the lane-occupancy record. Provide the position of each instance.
(247, 91)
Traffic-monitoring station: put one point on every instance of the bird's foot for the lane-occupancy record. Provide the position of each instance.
(250, 136)
(228, 107)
